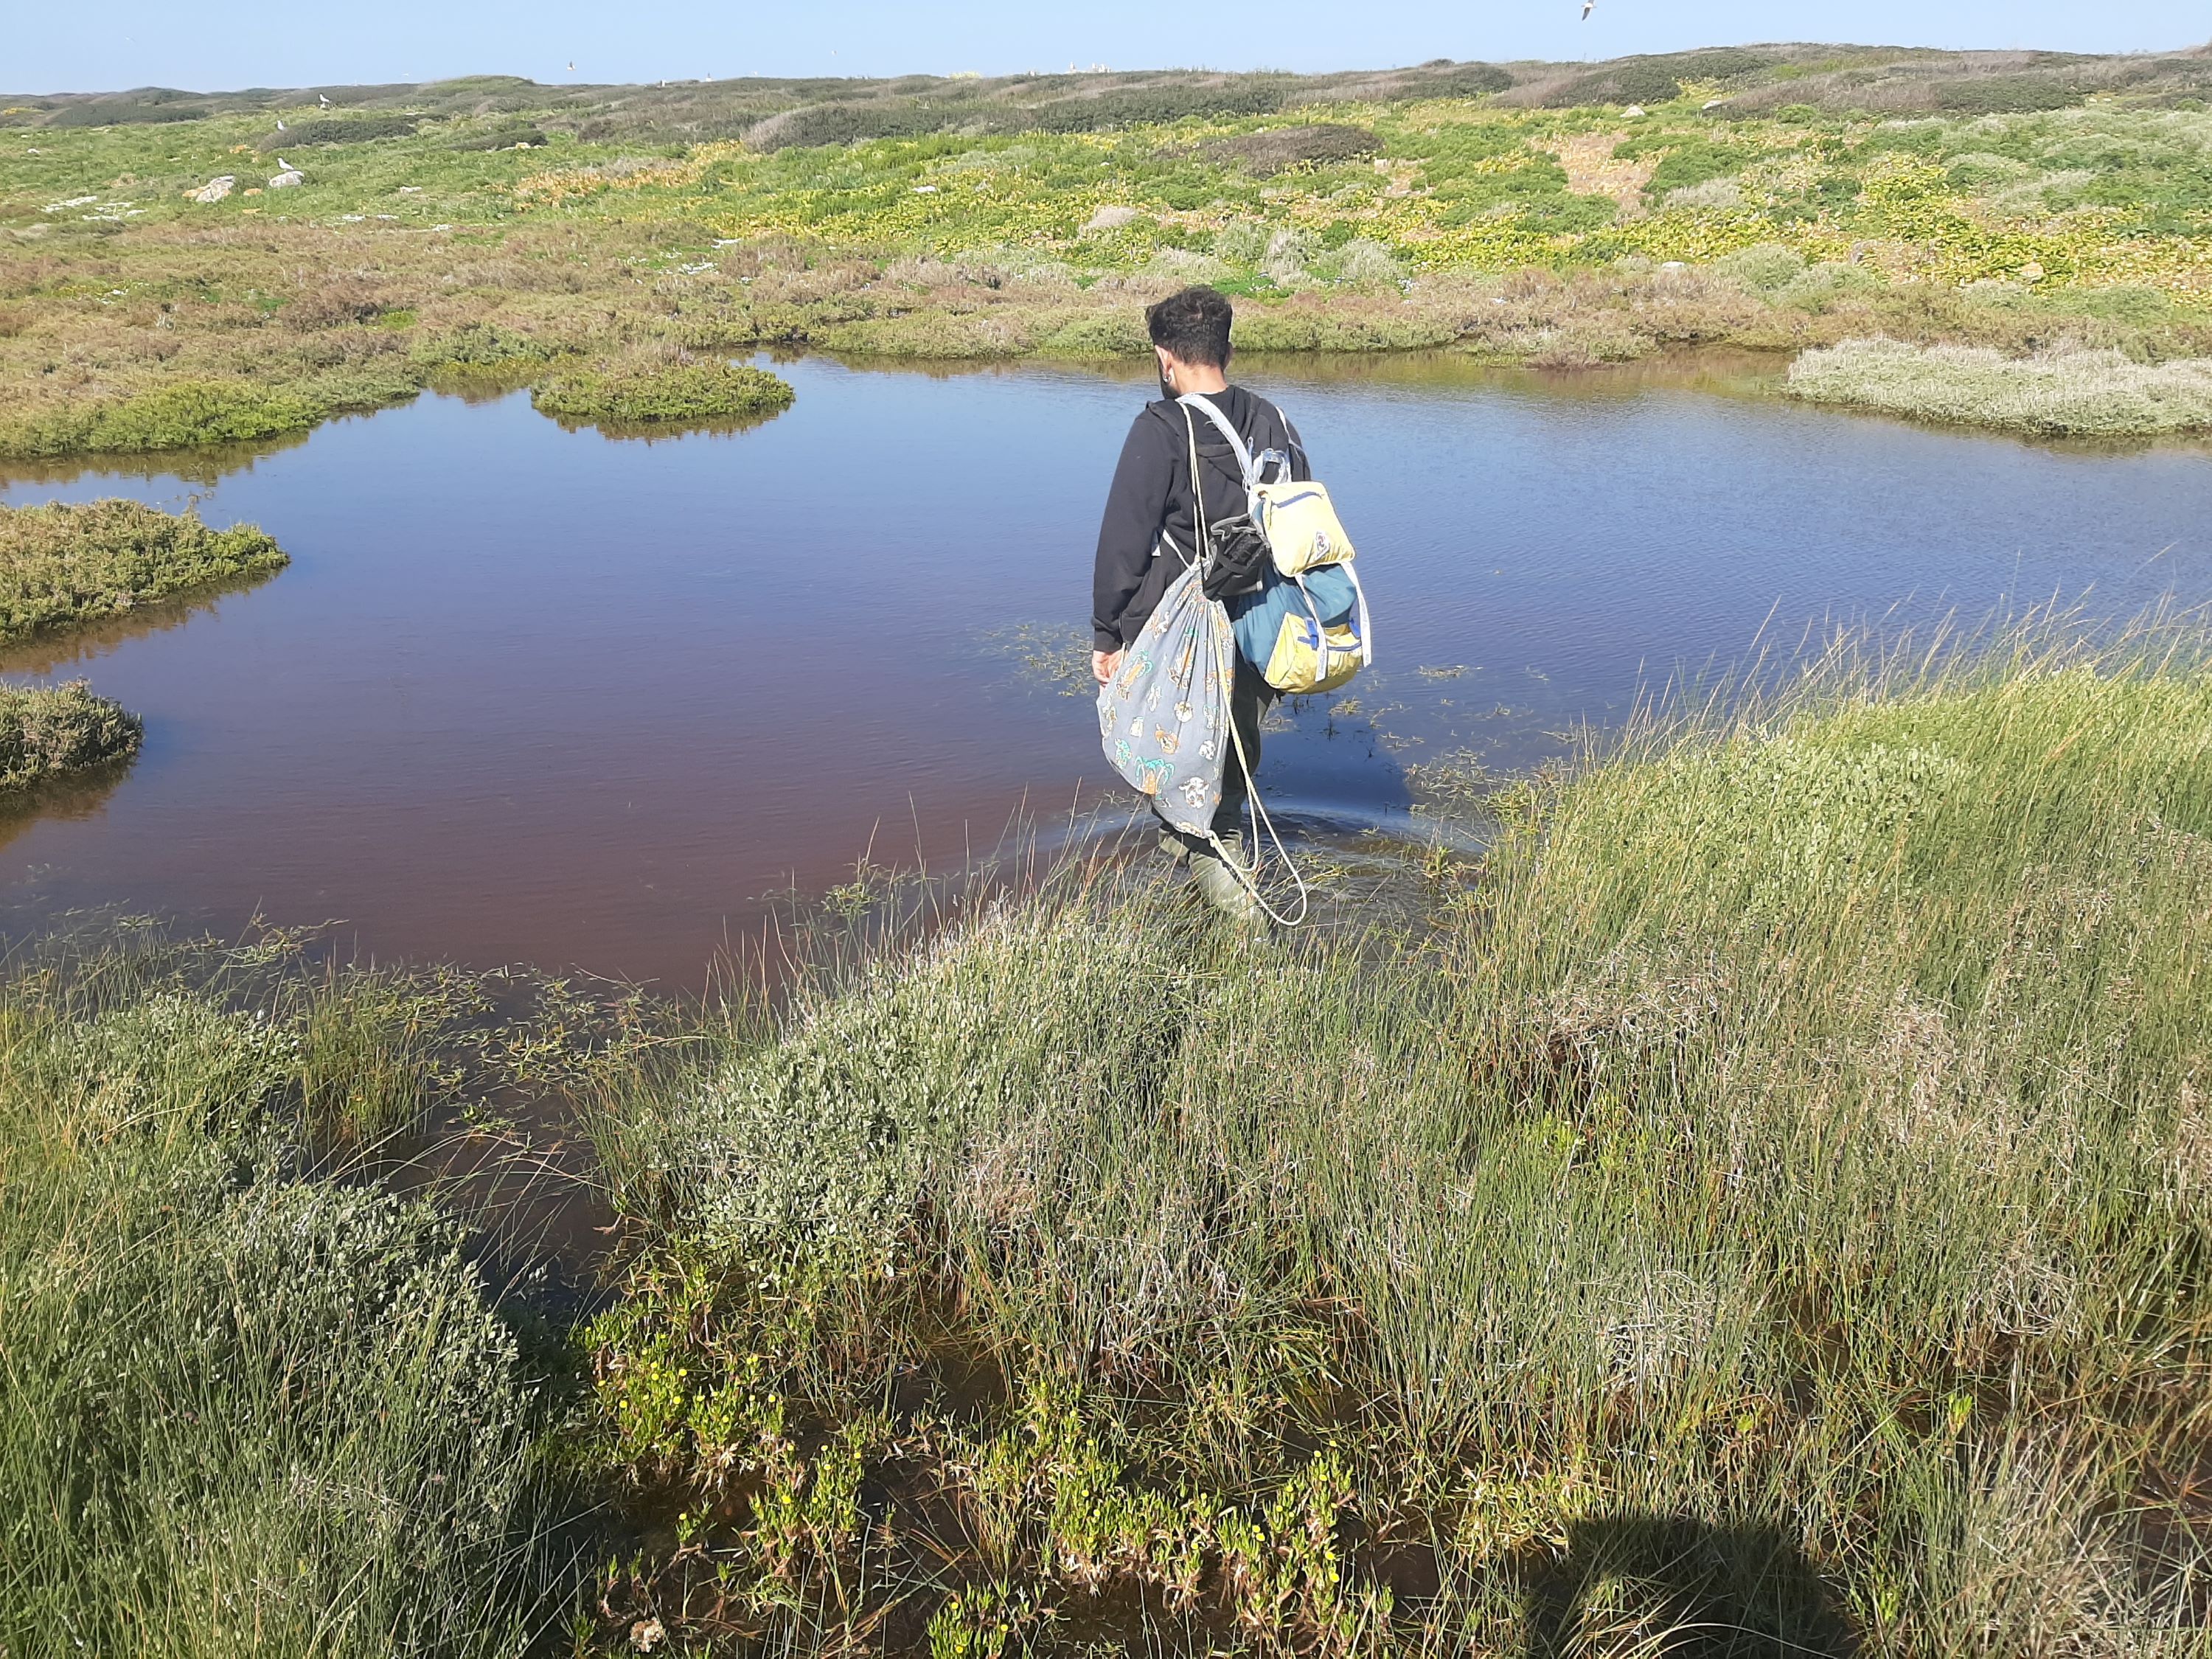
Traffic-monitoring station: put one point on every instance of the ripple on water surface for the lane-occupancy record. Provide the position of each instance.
(534, 695)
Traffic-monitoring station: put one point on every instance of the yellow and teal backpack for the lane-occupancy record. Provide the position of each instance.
(1308, 628)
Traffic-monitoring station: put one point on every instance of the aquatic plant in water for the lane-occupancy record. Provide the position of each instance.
(691, 394)
(2066, 392)
(71, 563)
(51, 731)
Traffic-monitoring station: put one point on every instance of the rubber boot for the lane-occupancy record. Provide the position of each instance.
(1224, 889)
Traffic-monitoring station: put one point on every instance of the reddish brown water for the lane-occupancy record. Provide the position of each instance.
(530, 695)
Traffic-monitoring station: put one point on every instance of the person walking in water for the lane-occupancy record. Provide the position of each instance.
(1149, 535)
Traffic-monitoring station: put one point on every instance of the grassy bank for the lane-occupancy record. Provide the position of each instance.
(1768, 1213)
(53, 731)
(1779, 199)
(1764, 1208)
(2067, 393)
(67, 564)
(247, 1404)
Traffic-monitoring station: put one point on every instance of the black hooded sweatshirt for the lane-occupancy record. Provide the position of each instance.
(1151, 495)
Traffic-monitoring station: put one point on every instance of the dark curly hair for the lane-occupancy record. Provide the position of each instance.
(1193, 325)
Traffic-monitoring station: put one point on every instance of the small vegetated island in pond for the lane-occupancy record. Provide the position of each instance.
(687, 395)
(176, 268)
(53, 731)
(69, 565)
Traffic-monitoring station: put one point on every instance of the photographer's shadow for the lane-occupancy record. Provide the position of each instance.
(1639, 1585)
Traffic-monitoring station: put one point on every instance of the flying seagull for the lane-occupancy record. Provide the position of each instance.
(1588, 6)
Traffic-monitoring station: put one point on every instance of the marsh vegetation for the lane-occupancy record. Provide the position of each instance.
(1762, 1211)
(1761, 1207)
(67, 564)
(1778, 199)
(687, 395)
(53, 731)
(2067, 393)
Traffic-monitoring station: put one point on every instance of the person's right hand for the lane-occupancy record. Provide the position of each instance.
(1104, 665)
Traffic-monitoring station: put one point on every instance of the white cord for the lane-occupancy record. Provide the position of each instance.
(1248, 876)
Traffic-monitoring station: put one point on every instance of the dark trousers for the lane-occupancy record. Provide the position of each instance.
(1249, 699)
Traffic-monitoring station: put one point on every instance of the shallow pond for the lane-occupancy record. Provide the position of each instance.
(527, 694)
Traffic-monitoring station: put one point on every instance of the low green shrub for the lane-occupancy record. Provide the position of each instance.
(2071, 391)
(675, 395)
(1117, 333)
(50, 731)
(1278, 149)
(70, 564)
(477, 345)
(509, 137)
(337, 129)
(178, 415)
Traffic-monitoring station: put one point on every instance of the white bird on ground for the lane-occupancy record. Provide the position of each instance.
(322, 100)
(283, 166)
(280, 124)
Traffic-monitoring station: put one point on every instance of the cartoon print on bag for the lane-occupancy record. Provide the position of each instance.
(1196, 792)
(1152, 771)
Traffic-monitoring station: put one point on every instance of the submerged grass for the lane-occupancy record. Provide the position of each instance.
(53, 731)
(1768, 1213)
(2069, 392)
(67, 564)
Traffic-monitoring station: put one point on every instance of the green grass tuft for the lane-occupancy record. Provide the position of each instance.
(243, 1408)
(687, 395)
(67, 564)
(51, 731)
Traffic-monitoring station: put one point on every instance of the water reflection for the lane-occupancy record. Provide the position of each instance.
(529, 694)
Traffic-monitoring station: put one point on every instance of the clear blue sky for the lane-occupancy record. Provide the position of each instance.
(47, 47)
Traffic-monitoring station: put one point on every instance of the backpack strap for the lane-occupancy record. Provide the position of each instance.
(1251, 465)
(1199, 401)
